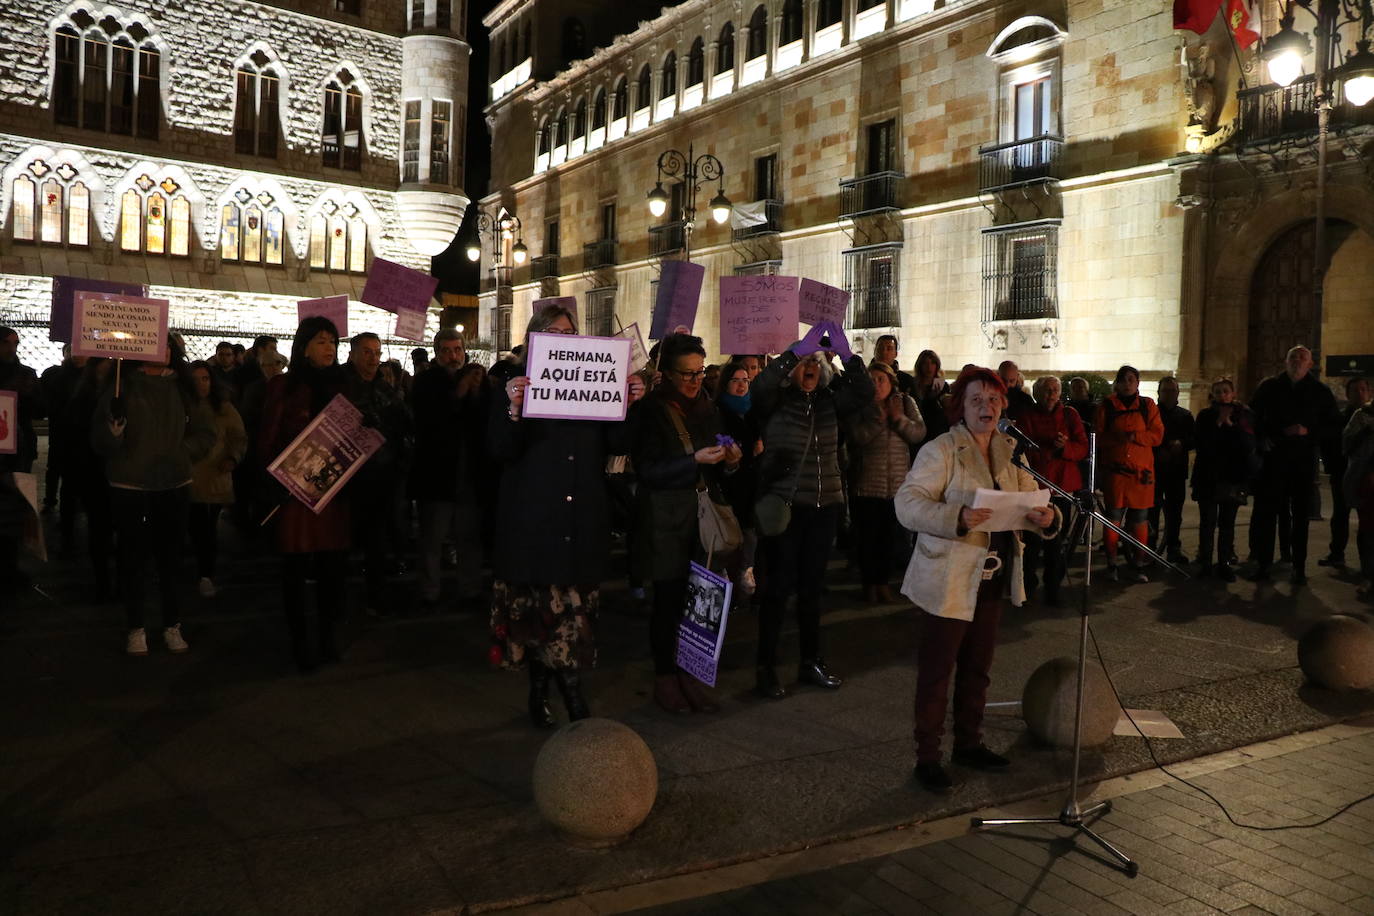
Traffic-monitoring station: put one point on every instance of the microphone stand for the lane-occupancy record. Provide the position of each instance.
(1074, 815)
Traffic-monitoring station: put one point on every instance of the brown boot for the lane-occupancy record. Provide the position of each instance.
(697, 694)
(668, 695)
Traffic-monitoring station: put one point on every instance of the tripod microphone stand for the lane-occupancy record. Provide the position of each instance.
(1074, 815)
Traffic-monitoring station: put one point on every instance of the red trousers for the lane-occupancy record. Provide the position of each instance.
(960, 650)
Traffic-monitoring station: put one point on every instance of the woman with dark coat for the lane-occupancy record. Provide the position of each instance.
(930, 394)
(741, 489)
(801, 415)
(312, 545)
(1058, 430)
(86, 470)
(212, 480)
(676, 449)
(1223, 468)
(553, 534)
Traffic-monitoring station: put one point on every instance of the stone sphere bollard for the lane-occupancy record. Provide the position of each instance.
(1047, 703)
(1338, 653)
(595, 780)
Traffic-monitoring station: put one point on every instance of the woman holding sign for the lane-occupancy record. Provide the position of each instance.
(553, 534)
(960, 577)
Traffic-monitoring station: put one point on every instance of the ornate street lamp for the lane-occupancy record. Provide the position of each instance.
(502, 227)
(693, 171)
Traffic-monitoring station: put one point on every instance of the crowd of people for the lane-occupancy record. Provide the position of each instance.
(807, 448)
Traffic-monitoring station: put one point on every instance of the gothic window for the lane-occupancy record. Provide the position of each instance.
(155, 217)
(599, 110)
(560, 129)
(725, 53)
(256, 108)
(542, 140)
(828, 13)
(620, 99)
(252, 229)
(667, 86)
(579, 119)
(106, 77)
(50, 205)
(440, 123)
(645, 87)
(758, 34)
(338, 238)
(791, 22)
(342, 142)
(417, 14)
(696, 63)
(410, 153)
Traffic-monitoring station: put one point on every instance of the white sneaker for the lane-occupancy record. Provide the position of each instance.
(207, 587)
(172, 636)
(137, 643)
(746, 581)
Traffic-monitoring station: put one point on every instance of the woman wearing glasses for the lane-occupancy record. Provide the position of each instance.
(553, 534)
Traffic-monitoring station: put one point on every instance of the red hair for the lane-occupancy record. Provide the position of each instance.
(954, 410)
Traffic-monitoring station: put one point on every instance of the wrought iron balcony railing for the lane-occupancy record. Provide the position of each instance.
(668, 238)
(543, 267)
(869, 194)
(1271, 112)
(1020, 162)
(772, 211)
(599, 254)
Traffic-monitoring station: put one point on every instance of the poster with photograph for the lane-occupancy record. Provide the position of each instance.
(576, 378)
(119, 327)
(701, 633)
(9, 422)
(316, 465)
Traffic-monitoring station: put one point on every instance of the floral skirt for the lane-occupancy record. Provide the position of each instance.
(553, 624)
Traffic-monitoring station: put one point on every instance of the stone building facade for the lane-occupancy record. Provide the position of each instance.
(234, 157)
(1048, 183)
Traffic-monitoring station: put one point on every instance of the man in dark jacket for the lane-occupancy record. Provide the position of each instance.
(1171, 470)
(450, 418)
(1293, 411)
(58, 382)
(885, 352)
(14, 508)
(1018, 399)
(1356, 396)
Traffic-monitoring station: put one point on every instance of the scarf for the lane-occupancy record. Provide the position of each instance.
(737, 403)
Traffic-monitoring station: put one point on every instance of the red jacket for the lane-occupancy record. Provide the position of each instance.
(1058, 464)
(286, 411)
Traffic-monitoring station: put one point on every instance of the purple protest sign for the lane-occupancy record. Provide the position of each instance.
(639, 354)
(64, 291)
(758, 314)
(335, 308)
(566, 302)
(330, 450)
(821, 302)
(679, 291)
(701, 631)
(410, 324)
(9, 422)
(119, 327)
(394, 287)
(576, 378)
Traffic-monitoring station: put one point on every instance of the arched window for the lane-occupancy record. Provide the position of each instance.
(696, 63)
(252, 229)
(574, 40)
(758, 34)
(579, 119)
(667, 86)
(106, 77)
(338, 238)
(645, 87)
(791, 22)
(51, 206)
(342, 143)
(725, 49)
(829, 12)
(620, 99)
(599, 110)
(542, 147)
(443, 14)
(256, 107)
(560, 128)
(155, 217)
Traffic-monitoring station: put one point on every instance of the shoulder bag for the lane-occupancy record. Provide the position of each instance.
(716, 523)
(773, 513)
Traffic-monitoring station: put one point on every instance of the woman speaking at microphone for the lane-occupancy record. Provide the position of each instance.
(962, 578)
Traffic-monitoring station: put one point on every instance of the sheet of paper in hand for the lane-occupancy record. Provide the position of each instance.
(318, 462)
(1009, 508)
(576, 378)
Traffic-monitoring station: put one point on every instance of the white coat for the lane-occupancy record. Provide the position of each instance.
(946, 569)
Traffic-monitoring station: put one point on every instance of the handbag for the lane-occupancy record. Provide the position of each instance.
(717, 526)
(773, 513)
(1230, 494)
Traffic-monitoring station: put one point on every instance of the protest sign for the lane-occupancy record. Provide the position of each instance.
(576, 378)
(410, 323)
(821, 302)
(64, 291)
(675, 304)
(639, 354)
(567, 302)
(758, 314)
(9, 423)
(394, 287)
(335, 308)
(318, 462)
(701, 632)
(120, 327)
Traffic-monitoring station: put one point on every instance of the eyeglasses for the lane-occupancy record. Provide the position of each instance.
(700, 373)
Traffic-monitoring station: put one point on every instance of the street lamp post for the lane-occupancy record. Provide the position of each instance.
(694, 172)
(503, 226)
(1284, 53)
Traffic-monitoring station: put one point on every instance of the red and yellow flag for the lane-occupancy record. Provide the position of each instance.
(1195, 15)
(1238, 18)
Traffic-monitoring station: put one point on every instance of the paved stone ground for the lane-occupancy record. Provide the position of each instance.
(1191, 859)
(399, 781)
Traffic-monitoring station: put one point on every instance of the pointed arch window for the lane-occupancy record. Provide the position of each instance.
(579, 119)
(155, 217)
(667, 86)
(791, 29)
(252, 229)
(758, 34)
(696, 63)
(725, 49)
(599, 110)
(542, 141)
(50, 206)
(620, 99)
(343, 143)
(106, 77)
(560, 129)
(257, 124)
(645, 87)
(338, 238)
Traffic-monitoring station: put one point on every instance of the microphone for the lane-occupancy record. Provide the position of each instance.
(1005, 425)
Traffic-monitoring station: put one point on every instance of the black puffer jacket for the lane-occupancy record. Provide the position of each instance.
(798, 452)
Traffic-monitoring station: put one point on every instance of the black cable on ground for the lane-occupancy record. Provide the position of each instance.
(1149, 746)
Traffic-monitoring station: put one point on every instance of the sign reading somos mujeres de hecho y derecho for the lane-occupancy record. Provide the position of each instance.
(576, 378)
